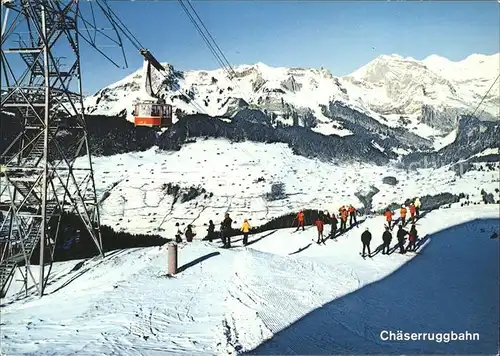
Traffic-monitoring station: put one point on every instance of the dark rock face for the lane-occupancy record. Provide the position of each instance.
(390, 180)
(487, 197)
(473, 136)
(366, 198)
(444, 119)
(370, 129)
(303, 142)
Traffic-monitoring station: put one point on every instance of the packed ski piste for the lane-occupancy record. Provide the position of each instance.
(324, 218)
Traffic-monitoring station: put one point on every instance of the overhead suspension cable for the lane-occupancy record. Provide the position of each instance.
(137, 44)
(216, 51)
(485, 95)
(213, 40)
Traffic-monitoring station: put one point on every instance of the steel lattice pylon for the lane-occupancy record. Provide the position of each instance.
(47, 168)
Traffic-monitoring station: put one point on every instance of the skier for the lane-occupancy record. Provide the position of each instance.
(401, 238)
(413, 238)
(343, 219)
(366, 237)
(319, 224)
(226, 231)
(352, 215)
(246, 229)
(387, 238)
(300, 220)
(189, 234)
(334, 222)
(210, 231)
(402, 213)
(178, 235)
(417, 207)
(412, 212)
(388, 217)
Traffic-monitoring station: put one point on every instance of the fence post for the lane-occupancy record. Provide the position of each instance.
(172, 258)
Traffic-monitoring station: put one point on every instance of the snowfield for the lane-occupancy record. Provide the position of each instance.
(324, 299)
(139, 203)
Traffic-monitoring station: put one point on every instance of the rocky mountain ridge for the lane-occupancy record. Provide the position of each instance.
(422, 97)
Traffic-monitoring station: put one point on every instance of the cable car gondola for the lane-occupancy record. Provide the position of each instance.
(152, 112)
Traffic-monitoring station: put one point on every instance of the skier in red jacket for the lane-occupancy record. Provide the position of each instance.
(320, 225)
(300, 220)
(388, 218)
(413, 235)
(412, 212)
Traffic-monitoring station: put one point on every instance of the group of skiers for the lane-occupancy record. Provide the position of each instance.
(366, 236)
(225, 232)
(414, 212)
(344, 213)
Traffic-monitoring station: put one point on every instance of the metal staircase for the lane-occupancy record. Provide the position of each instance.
(11, 259)
(24, 187)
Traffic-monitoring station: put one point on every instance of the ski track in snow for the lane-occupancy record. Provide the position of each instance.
(232, 301)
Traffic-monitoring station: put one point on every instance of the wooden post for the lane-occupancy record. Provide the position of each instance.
(172, 258)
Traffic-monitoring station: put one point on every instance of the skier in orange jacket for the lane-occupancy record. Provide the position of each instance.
(402, 212)
(388, 217)
(300, 220)
(352, 215)
(343, 219)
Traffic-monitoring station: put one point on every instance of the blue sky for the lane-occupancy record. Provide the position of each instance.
(340, 36)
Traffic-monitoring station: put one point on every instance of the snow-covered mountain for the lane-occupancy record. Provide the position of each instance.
(424, 97)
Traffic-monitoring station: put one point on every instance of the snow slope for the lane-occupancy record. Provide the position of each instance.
(225, 301)
(231, 172)
(429, 93)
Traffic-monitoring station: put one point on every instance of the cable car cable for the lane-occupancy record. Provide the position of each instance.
(205, 39)
(213, 40)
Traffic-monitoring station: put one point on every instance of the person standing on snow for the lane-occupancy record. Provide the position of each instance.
(334, 223)
(366, 237)
(343, 219)
(401, 238)
(246, 230)
(178, 235)
(387, 238)
(412, 212)
(413, 238)
(402, 213)
(352, 215)
(300, 220)
(320, 225)
(226, 231)
(388, 217)
(210, 231)
(417, 207)
(189, 233)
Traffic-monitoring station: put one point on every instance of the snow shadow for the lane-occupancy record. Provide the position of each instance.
(452, 285)
(196, 261)
(260, 238)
